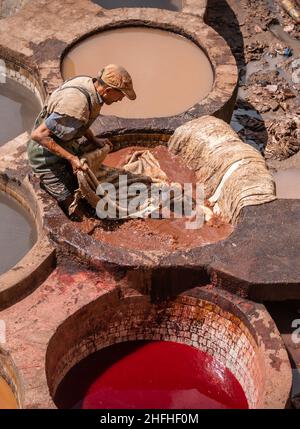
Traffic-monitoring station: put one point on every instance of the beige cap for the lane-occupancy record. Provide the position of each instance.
(117, 77)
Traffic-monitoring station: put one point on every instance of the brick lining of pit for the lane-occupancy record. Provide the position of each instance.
(236, 333)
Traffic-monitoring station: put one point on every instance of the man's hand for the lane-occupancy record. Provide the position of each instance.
(77, 165)
(102, 142)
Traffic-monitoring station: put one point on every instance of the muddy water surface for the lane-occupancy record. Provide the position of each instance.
(17, 232)
(18, 110)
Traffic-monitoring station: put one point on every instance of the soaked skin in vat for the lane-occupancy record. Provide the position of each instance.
(138, 375)
(17, 232)
(18, 109)
(170, 73)
(7, 398)
(156, 234)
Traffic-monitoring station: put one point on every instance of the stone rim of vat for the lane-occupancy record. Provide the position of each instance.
(267, 354)
(220, 100)
(25, 276)
(10, 373)
(241, 263)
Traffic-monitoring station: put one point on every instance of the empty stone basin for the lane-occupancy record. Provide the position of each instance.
(18, 109)
(221, 354)
(18, 232)
(170, 73)
(175, 5)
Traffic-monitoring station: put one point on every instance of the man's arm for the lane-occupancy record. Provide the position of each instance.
(42, 135)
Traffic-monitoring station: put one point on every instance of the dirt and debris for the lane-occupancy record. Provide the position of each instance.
(265, 41)
(283, 137)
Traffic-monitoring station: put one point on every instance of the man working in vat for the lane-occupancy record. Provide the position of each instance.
(66, 116)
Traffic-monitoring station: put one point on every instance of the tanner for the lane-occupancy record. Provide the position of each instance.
(66, 116)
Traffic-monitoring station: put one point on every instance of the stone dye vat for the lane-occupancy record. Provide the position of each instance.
(168, 234)
(127, 365)
(138, 374)
(18, 110)
(26, 254)
(17, 232)
(287, 183)
(175, 5)
(170, 73)
(195, 156)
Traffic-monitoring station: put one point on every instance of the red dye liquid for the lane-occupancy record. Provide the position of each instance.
(156, 374)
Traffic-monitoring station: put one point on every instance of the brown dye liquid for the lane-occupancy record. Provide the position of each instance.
(17, 232)
(288, 183)
(18, 110)
(156, 234)
(7, 398)
(170, 73)
(159, 4)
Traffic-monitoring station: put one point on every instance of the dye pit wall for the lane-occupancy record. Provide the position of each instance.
(190, 320)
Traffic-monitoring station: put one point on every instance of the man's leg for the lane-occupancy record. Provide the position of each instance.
(60, 182)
